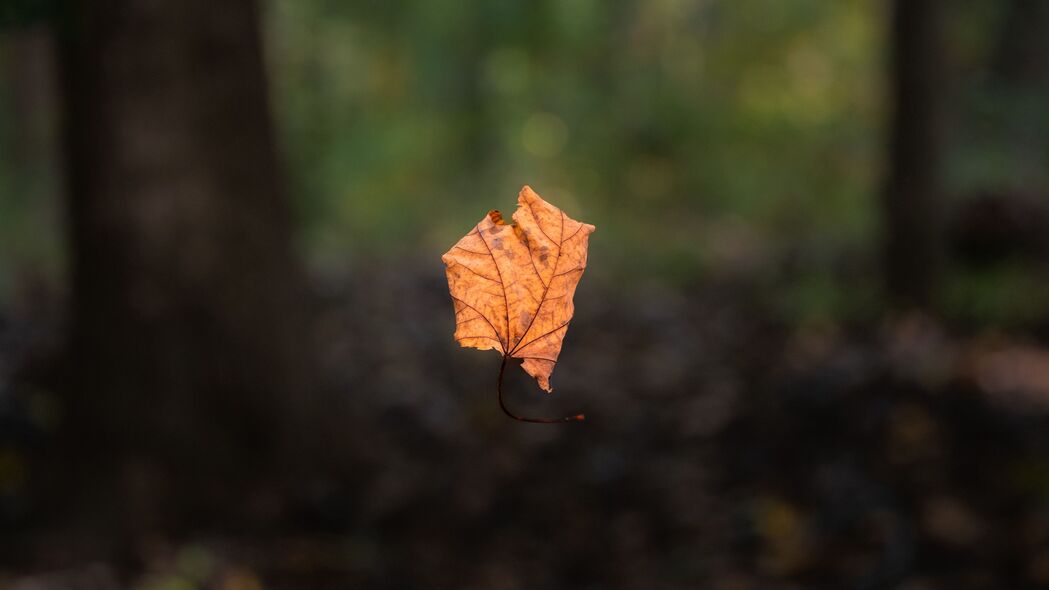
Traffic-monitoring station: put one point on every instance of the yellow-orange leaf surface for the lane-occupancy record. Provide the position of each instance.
(512, 285)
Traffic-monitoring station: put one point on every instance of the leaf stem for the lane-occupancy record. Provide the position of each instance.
(502, 404)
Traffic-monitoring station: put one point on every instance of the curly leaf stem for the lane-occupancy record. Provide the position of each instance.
(502, 404)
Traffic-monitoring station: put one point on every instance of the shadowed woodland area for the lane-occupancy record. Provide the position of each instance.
(812, 341)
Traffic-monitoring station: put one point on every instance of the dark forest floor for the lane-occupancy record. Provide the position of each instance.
(723, 449)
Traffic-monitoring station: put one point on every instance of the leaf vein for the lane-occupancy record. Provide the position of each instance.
(470, 251)
(539, 225)
(490, 324)
(540, 337)
(479, 274)
(570, 270)
(545, 291)
(506, 302)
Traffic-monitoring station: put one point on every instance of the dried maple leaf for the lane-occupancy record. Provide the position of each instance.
(512, 286)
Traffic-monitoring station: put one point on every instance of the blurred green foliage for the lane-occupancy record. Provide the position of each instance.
(720, 137)
(693, 134)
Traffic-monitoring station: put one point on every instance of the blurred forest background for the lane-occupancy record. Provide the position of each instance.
(812, 341)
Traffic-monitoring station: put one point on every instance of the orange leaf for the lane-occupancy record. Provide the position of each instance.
(512, 285)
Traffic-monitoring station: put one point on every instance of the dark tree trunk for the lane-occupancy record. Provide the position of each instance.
(188, 343)
(911, 203)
